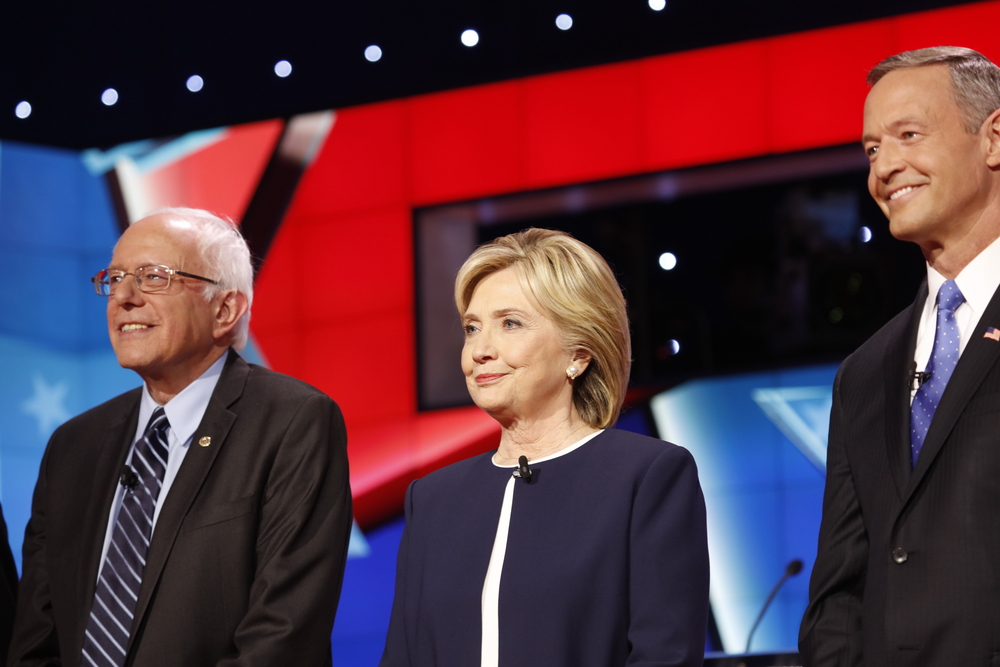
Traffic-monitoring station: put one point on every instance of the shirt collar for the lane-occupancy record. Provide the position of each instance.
(562, 452)
(978, 280)
(185, 410)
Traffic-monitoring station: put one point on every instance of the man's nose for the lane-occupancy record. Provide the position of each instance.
(128, 292)
(887, 162)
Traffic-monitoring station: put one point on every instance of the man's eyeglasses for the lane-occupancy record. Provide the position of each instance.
(147, 279)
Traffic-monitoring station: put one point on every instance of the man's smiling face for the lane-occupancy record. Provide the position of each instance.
(167, 333)
(928, 173)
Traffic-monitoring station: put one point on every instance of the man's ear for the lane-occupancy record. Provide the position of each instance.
(231, 307)
(992, 128)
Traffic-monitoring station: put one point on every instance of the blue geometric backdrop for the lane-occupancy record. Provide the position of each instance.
(57, 229)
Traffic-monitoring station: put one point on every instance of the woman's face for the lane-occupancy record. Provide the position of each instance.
(514, 363)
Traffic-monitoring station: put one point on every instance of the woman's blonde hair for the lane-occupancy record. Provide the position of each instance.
(578, 292)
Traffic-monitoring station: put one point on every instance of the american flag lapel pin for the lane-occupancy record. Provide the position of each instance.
(992, 334)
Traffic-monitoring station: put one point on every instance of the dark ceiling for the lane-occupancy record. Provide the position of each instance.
(60, 57)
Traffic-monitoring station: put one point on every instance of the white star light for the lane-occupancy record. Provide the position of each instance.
(47, 405)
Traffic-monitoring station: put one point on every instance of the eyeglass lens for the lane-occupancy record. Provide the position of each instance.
(147, 278)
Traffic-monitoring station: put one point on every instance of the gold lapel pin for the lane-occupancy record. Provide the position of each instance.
(205, 441)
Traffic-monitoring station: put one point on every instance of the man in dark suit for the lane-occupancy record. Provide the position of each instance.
(203, 518)
(908, 568)
(8, 587)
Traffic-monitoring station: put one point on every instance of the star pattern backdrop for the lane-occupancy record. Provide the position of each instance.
(57, 229)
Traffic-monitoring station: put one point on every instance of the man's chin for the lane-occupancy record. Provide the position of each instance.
(132, 363)
(905, 230)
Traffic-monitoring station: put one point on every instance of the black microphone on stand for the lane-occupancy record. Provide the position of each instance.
(792, 569)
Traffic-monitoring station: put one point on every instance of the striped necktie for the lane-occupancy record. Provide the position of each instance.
(118, 587)
(940, 366)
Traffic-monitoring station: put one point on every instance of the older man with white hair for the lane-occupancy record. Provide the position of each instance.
(202, 519)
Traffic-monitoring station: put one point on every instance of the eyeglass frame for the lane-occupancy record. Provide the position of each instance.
(138, 283)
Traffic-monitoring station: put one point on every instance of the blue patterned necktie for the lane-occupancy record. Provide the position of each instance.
(118, 587)
(940, 367)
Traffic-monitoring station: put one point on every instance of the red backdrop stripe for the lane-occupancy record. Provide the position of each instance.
(334, 301)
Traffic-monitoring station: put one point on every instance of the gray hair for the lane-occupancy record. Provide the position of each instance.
(975, 80)
(224, 250)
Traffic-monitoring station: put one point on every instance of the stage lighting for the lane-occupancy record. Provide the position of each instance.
(564, 21)
(22, 110)
(195, 83)
(657, 5)
(668, 261)
(865, 234)
(283, 68)
(373, 53)
(470, 38)
(109, 96)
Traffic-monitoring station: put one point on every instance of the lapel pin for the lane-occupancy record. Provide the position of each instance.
(205, 441)
(992, 334)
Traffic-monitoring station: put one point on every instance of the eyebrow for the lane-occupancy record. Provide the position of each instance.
(894, 125)
(118, 265)
(496, 314)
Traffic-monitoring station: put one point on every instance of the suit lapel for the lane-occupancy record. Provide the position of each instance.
(898, 370)
(979, 356)
(110, 458)
(216, 423)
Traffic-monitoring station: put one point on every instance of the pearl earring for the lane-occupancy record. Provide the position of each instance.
(572, 372)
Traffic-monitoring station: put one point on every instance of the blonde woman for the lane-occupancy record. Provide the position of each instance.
(572, 544)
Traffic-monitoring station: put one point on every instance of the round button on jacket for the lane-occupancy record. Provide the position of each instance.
(899, 555)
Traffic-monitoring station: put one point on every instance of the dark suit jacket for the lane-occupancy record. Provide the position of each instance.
(908, 568)
(606, 562)
(8, 588)
(247, 556)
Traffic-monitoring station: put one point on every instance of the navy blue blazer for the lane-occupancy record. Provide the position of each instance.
(606, 562)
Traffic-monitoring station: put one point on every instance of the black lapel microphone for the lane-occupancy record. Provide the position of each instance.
(128, 478)
(523, 471)
(915, 379)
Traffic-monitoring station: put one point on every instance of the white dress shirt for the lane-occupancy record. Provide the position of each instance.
(184, 412)
(977, 282)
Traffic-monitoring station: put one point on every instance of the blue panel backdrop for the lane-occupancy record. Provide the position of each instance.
(760, 443)
(57, 229)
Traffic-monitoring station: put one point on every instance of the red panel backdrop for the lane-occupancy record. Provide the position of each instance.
(334, 301)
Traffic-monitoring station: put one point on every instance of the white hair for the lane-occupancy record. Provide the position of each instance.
(225, 252)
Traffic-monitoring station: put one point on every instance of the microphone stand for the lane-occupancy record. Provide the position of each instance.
(792, 569)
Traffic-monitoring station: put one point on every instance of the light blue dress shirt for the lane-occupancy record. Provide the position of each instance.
(184, 412)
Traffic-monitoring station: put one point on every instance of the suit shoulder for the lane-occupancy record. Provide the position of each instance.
(637, 448)
(876, 347)
(107, 413)
(284, 388)
(451, 474)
